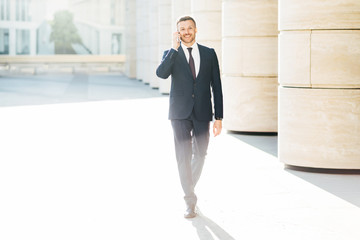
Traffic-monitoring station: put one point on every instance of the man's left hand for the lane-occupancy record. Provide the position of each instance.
(217, 127)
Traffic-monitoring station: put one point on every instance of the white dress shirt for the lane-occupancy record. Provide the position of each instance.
(195, 53)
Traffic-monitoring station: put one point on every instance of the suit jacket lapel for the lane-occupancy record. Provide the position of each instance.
(202, 59)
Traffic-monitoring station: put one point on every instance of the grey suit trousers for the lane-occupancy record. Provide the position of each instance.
(191, 142)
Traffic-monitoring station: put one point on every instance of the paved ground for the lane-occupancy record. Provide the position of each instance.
(20, 90)
(91, 157)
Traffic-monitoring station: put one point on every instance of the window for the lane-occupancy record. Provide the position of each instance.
(22, 10)
(2, 10)
(116, 43)
(17, 10)
(113, 12)
(5, 10)
(4, 41)
(22, 42)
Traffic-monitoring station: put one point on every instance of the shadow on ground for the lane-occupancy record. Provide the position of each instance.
(206, 228)
(266, 142)
(341, 183)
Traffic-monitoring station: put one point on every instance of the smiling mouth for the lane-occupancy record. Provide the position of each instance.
(187, 38)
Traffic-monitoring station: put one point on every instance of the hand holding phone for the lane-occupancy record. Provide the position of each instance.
(176, 40)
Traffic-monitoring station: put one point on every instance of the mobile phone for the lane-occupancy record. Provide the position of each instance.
(178, 37)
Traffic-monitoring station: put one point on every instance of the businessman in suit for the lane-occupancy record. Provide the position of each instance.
(195, 73)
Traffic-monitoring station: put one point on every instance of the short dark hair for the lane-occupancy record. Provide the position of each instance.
(185, 18)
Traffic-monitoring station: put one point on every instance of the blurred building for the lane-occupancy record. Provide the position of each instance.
(100, 24)
(25, 29)
(19, 23)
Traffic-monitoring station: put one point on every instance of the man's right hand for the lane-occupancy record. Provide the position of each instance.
(176, 40)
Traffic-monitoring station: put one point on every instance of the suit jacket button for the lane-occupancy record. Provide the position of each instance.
(193, 95)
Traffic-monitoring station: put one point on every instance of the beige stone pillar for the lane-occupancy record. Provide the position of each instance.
(207, 14)
(142, 41)
(169, 12)
(130, 38)
(319, 76)
(140, 19)
(153, 26)
(178, 9)
(249, 66)
(164, 34)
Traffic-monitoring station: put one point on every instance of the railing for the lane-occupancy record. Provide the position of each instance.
(61, 63)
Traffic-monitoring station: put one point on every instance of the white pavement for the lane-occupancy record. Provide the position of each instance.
(106, 170)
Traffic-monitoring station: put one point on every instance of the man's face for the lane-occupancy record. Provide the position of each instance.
(187, 31)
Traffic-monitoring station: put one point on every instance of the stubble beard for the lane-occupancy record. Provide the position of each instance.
(189, 40)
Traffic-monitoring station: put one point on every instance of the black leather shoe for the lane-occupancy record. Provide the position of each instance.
(190, 213)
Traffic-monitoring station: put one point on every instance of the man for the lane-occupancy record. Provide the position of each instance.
(194, 71)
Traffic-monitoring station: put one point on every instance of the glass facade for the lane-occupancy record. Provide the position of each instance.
(26, 26)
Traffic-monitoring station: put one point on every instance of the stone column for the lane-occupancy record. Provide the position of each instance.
(249, 67)
(169, 12)
(142, 41)
(12, 41)
(130, 38)
(207, 14)
(153, 26)
(319, 76)
(165, 27)
(33, 40)
(178, 9)
(139, 43)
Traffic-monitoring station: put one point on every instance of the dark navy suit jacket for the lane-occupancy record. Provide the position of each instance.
(187, 95)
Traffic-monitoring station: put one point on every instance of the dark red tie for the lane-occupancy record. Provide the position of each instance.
(192, 64)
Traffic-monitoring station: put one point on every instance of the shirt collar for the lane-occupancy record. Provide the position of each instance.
(194, 46)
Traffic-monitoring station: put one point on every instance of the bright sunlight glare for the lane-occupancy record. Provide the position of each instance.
(52, 6)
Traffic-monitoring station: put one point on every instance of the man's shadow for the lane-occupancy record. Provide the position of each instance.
(205, 226)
